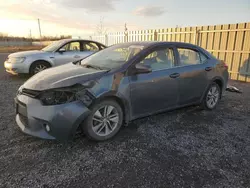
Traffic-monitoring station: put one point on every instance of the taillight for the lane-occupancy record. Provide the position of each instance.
(224, 64)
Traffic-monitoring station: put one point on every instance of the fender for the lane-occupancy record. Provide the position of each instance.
(47, 59)
(210, 82)
(50, 62)
(121, 100)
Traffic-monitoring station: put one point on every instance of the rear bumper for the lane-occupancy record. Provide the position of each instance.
(63, 120)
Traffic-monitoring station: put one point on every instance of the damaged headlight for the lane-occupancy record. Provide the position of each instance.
(66, 95)
(54, 97)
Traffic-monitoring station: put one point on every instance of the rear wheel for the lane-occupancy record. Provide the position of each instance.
(211, 97)
(104, 121)
(38, 67)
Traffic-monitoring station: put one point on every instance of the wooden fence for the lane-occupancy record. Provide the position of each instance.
(229, 42)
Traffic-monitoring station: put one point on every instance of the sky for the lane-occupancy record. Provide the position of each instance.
(82, 17)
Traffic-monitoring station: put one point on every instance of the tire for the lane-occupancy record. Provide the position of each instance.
(42, 65)
(97, 121)
(211, 97)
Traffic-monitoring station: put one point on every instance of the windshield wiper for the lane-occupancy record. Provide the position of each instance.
(76, 62)
(93, 66)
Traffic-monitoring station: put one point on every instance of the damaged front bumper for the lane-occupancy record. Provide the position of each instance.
(49, 122)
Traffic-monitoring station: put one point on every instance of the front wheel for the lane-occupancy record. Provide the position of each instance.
(211, 97)
(104, 121)
(38, 67)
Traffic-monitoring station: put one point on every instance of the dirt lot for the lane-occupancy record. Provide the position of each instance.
(182, 148)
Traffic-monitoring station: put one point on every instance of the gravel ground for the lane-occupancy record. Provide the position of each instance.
(183, 148)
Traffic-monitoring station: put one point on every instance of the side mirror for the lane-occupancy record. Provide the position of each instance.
(61, 50)
(142, 69)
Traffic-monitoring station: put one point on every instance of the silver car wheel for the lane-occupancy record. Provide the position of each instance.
(212, 97)
(39, 68)
(105, 120)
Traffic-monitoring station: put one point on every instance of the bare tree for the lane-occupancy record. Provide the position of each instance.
(100, 28)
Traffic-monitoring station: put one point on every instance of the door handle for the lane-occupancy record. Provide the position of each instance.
(208, 68)
(76, 56)
(174, 75)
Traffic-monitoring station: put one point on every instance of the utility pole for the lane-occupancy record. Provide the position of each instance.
(125, 33)
(30, 34)
(125, 27)
(40, 32)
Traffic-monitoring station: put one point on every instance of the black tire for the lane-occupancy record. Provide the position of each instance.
(35, 65)
(87, 125)
(205, 104)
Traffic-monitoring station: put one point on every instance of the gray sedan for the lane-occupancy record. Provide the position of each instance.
(117, 85)
(57, 53)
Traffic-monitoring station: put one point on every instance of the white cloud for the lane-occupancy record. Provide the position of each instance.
(149, 11)
(56, 16)
(46, 11)
(91, 5)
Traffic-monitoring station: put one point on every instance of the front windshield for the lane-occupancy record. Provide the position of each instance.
(112, 57)
(53, 46)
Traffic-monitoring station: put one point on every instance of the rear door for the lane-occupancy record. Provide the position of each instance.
(193, 78)
(157, 90)
(71, 53)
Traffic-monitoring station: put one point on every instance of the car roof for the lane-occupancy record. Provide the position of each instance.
(148, 44)
(155, 43)
(71, 40)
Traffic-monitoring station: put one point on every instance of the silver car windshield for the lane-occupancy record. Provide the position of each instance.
(112, 57)
(53, 46)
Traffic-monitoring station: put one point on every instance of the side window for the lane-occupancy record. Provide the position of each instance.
(203, 58)
(160, 59)
(190, 57)
(102, 47)
(90, 46)
(72, 46)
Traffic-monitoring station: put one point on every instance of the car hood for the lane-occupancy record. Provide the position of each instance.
(62, 76)
(26, 53)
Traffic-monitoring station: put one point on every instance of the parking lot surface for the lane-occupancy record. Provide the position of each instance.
(183, 148)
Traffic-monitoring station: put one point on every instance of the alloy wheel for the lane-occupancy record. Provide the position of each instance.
(39, 68)
(105, 120)
(212, 97)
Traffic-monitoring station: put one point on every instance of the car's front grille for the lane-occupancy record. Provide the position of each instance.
(30, 93)
(24, 120)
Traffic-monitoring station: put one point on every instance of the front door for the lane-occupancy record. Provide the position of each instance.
(193, 75)
(157, 90)
(70, 53)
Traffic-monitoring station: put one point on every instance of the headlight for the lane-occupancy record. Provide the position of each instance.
(65, 95)
(16, 59)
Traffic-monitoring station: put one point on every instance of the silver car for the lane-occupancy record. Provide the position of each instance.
(57, 53)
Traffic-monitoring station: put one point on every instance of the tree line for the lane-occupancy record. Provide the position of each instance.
(5, 37)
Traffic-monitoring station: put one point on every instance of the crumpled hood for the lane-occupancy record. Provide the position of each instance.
(27, 53)
(62, 76)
